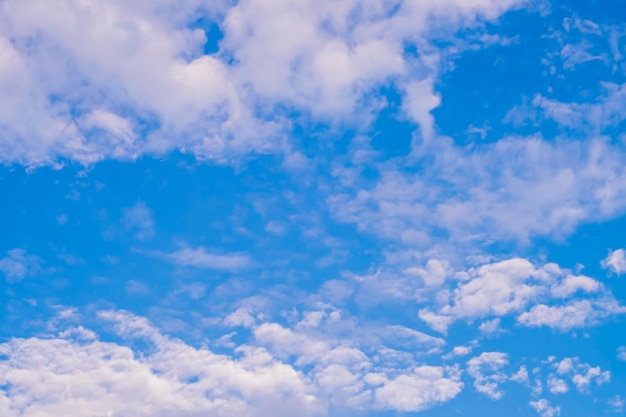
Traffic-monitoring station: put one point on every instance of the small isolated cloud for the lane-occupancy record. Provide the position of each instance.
(139, 220)
(204, 259)
(621, 353)
(458, 351)
(615, 262)
(18, 264)
(544, 408)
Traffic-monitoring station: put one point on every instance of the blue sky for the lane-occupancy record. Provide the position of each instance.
(312, 208)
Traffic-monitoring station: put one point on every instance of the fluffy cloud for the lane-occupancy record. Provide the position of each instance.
(419, 390)
(615, 262)
(75, 373)
(544, 409)
(113, 80)
(61, 377)
(510, 287)
(579, 313)
(581, 374)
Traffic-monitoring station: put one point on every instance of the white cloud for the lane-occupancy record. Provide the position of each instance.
(571, 284)
(510, 287)
(581, 374)
(76, 374)
(490, 327)
(486, 370)
(574, 314)
(419, 390)
(621, 353)
(18, 264)
(436, 322)
(557, 385)
(434, 274)
(498, 289)
(97, 378)
(458, 351)
(615, 262)
(521, 376)
(81, 82)
(544, 409)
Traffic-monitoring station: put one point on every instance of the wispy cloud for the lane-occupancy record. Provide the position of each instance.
(203, 258)
(139, 220)
(18, 264)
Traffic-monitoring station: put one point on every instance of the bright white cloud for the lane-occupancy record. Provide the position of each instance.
(512, 286)
(98, 378)
(420, 389)
(615, 262)
(75, 373)
(82, 82)
(574, 314)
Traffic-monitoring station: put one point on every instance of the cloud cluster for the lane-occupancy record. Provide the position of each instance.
(114, 80)
(74, 373)
(538, 295)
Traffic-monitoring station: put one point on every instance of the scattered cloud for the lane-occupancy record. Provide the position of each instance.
(486, 370)
(581, 374)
